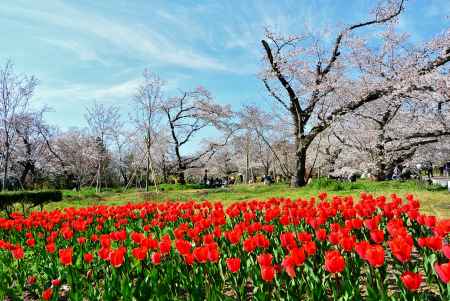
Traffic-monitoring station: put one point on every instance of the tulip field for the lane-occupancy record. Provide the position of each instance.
(320, 248)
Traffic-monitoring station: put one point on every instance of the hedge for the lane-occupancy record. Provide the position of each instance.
(31, 198)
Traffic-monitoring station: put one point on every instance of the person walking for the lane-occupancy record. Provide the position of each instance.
(430, 169)
(396, 173)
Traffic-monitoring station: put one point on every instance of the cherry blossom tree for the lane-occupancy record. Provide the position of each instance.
(187, 115)
(103, 121)
(15, 93)
(147, 119)
(77, 156)
(269, 141)
(317, 85)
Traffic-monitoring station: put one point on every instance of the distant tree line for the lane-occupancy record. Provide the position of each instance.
(370, 101)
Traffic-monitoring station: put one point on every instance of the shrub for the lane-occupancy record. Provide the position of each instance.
(334, 185)
(30, 198)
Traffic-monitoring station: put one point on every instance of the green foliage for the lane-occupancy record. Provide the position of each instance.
(334, 185)
(430, 187)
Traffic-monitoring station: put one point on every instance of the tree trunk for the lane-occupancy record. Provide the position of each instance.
(27, 168)
(147, 171)
(380, 170)
(181, 178)
(247, 163)
(99, 183)
(380, 155)
(123, 173)
(299, 179)
(5, 170)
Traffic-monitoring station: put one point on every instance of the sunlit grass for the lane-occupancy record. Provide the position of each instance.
(434, 200)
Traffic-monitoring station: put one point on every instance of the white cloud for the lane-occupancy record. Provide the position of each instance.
(76, 93)
(83, 93)
(84, 53)
(131, 38)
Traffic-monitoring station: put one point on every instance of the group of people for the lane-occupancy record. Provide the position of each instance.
(215, 182)
(218, 182)
(401, 172)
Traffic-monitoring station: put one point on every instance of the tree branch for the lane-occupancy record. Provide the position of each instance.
(411, 145)
(266, 84)
(439, 61)
(338, 42)
(296, 109)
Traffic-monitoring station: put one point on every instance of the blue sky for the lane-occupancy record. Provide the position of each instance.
(87, 50)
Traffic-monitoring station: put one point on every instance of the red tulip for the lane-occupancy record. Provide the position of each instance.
(322, 196)
(289, 265)
(18, 253)
(200, 254)
(304, 236)
(105, 241)
(88, 257)
(446, 251)
(357, 223)
(117, 257)
(31, 242)
(443, 271)
(165, 246)
(288, 240)
(264, 259)
(139, 253)
(267, 272)
(334, 237)
(347, 243)
(377, 236)
(31, 280)
(47, 294)
(213, 252)
(361, 248)
(262, 241)
(400, 249)
(249, 245)
(298, 256)
(67, 233)
(51, 248)
(334, 262)
(435, 243)
(156, 258)
(321, 234)
(149, 243)
(188, 258)
(65, 256)
(375, 255)
(411, 280)
(233, 264)
(104, 253)
(310, 248)
(56, 282)
(233, 236)
(137, 237)
(183, 246)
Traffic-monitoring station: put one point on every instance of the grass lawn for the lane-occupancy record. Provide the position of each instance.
(434, 200)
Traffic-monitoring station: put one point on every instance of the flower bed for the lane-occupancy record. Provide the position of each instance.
(317, 249)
